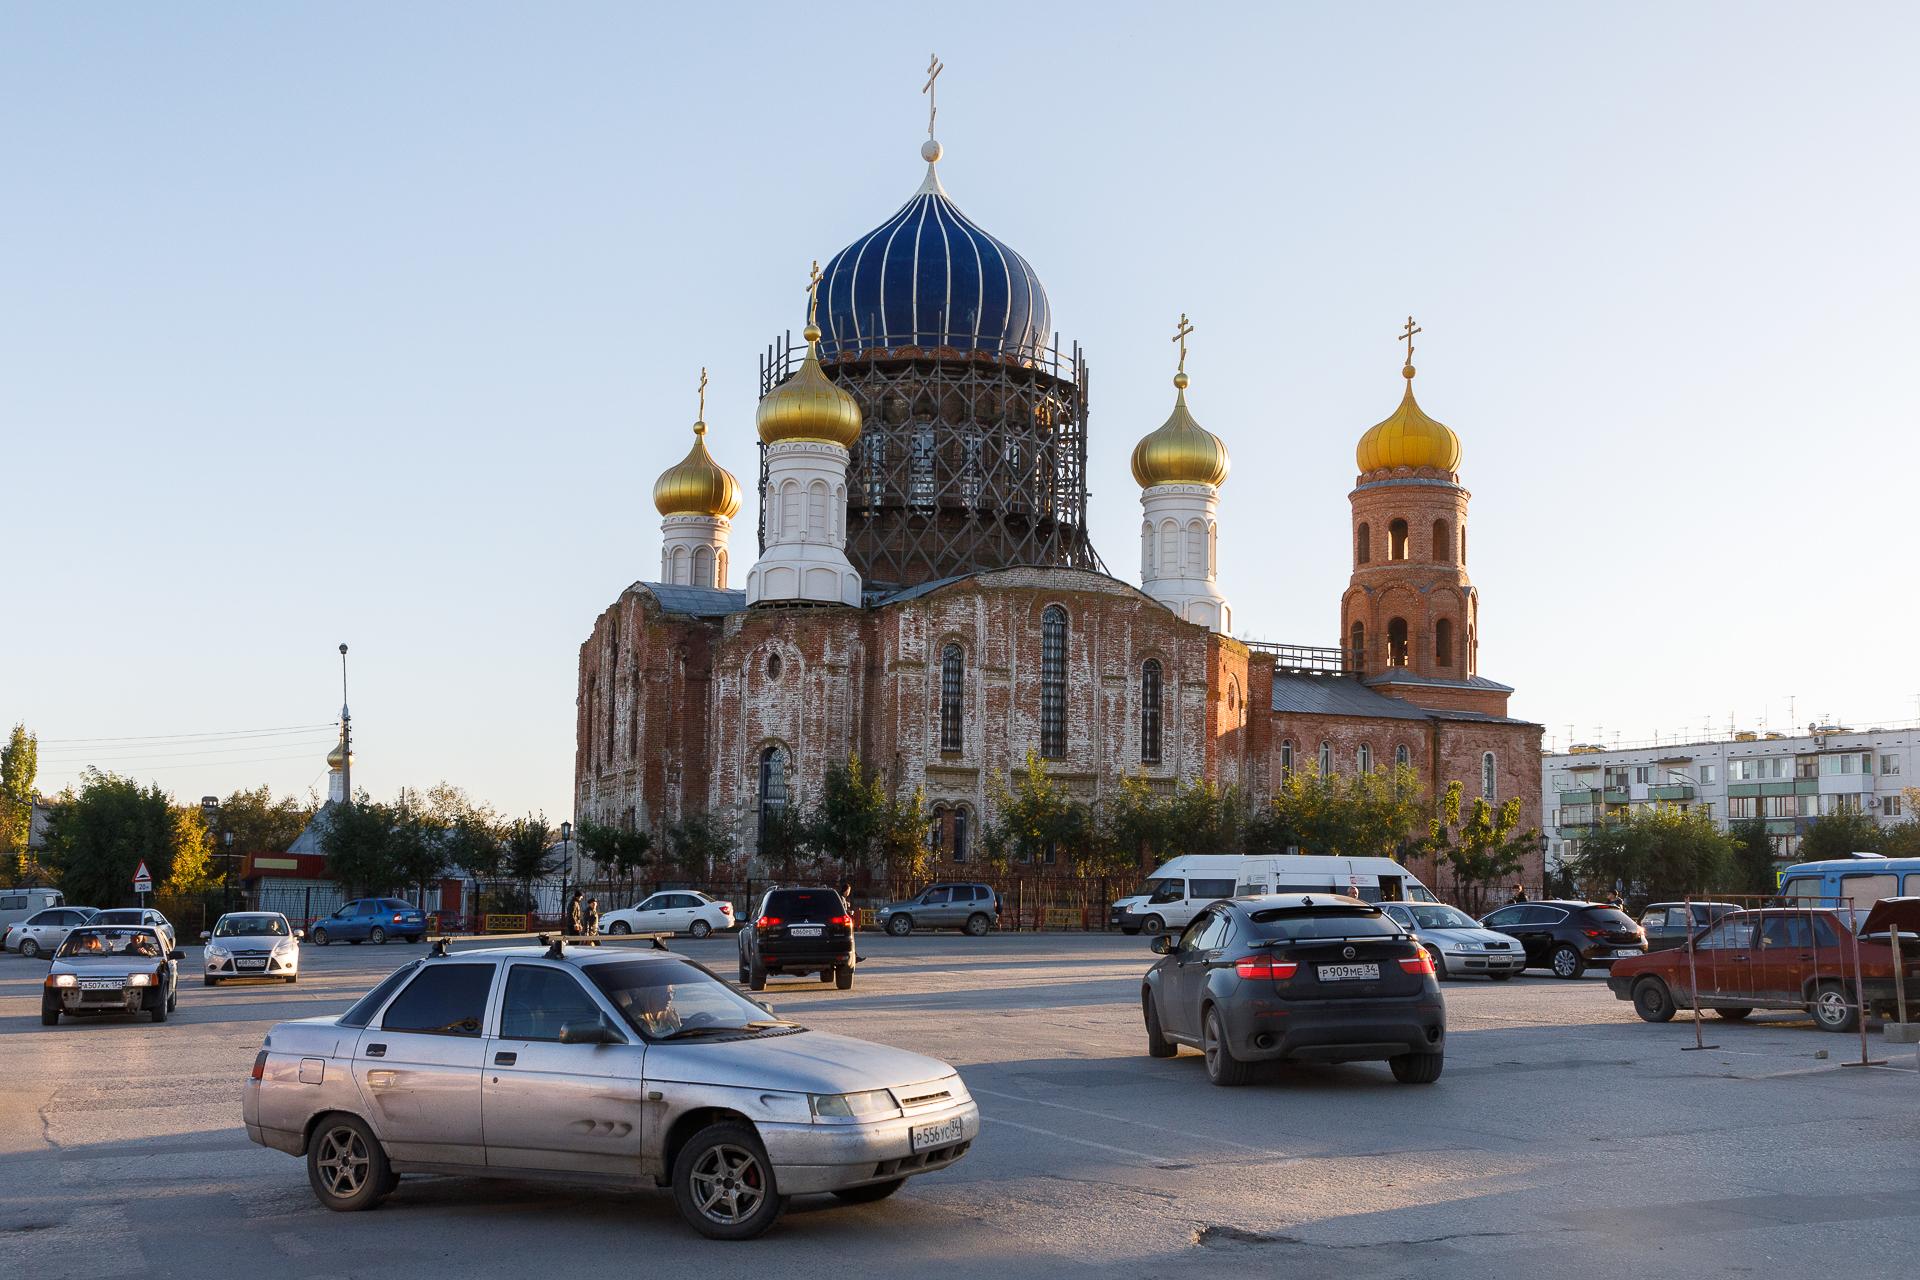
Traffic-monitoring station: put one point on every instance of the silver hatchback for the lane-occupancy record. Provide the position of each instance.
(608, 1064)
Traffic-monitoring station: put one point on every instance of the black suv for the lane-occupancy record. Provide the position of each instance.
(805, 930)
(1566, 936)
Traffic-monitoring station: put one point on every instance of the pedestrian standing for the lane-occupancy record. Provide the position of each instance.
(1519, 894)
(572, 924)
(593, 918)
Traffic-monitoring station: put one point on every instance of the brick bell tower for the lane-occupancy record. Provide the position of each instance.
(1410, 615)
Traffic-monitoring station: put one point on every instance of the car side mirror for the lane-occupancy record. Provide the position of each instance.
(1161, 945)
(205, 934)
(594, 1032)
(176, 954)
(300, 933)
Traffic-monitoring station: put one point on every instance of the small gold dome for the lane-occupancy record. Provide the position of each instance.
(336, 758)
(1408, 439)
(808, 406)
(697, 485)
(1181, 451)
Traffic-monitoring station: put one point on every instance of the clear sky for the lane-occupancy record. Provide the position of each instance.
(376, 322)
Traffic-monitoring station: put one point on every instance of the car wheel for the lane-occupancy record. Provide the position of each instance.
(29, 948)
(1832, 1010)
(900, 926)
(1652, 1001)
(1439, 965)
(158, 1008)
(346, 1165)
(1153, 925)
(977, 925)
(871, 1192)
(723, 1183)
(1417, 1068)
(320, 938)
(1158, 1046)
(173, 1000)
(843, 977)
(1566, 962)
(1733, 1012)
(620, 928)
(377, 936)
(1222, 1067)
(49, 1014)
(826, 974)
(699, 928)
(757, 976)
(210, 981)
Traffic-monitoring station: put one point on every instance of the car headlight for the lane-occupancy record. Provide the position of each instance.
(216, 952)
(139, 979)
(886, 911)
(848, 1106)
(287, 944)
(62, 980)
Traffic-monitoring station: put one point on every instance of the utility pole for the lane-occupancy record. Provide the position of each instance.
(346, 734)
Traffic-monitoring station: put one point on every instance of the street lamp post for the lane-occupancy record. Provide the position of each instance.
(566, 866)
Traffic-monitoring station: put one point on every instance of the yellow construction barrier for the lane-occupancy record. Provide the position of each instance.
(504, 923)
(863, 918)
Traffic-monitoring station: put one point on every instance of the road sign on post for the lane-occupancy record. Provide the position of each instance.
(143, 880)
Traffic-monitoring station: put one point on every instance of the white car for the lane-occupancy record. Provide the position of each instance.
(671, 911)
(1456, 942)
(139, 918)
(41, 933)
(251, 944)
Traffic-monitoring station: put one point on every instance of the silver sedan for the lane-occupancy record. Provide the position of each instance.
(616, 1065)
(1457, 943)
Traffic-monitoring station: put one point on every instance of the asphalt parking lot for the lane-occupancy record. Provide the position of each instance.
(1566, 1135)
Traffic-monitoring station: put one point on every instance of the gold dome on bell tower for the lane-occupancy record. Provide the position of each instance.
(1181, 451)
(1408, 437)
(808, 406)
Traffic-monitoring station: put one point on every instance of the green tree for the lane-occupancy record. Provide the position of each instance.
(260, 823)
(700, 848)
(1902, 840)
(190, 867)
(19, 765)
(1835, 835)
(784, 842)
(100, 834)
(619, 853)
(843, 827)
(472, 832)
(1655, 853)
(419, 844)
(1349, 815)
(359, 842)
(1481, 849)
(1750, 867)
(529, 851)
(1037, 821)
(1137, 825)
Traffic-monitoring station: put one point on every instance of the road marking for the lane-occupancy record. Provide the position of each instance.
(1129, 1122)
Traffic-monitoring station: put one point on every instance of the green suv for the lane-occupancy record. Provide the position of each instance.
(974, 909)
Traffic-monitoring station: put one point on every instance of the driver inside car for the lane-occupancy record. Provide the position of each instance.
(653, 1010)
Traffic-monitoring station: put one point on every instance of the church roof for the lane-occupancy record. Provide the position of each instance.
(1337, 696)
(697, 602)
(1405, 675)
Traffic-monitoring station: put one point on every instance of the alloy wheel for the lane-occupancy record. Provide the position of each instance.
(344, 1162)
(729, 1184)
(700, 929)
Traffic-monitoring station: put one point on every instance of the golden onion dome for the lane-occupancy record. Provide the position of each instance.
(808, 406)
(337, 758)
(697, 485)
(1181, 451)
(1408, 439)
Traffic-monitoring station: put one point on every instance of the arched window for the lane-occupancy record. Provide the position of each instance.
(1357, 646)
(790, 509)
(1053, 682)
(613, 690)
(1397, 540)
(957, 846)
(953, 672)
(1486, 775)
(720, 571)
(1169, 549)
(1443, 642)
(1326, 759)
(1286, 758)
(1363, 544)
(678, 573)
(1463, 544)
(1196, 549)
(1213, 551)
(1442, 544)
(817, 511)
(1402, 756)
(1146, 551)
(1363, 759)
(773, 787)
(1397, 642)
(1150, 711)
(703, 566)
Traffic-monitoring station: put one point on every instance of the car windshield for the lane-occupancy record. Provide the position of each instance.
(82, 943)
(1304, 924)
(1440, 916)
(671, 999)
(118, 917)
(251, 927)
(1150, 888)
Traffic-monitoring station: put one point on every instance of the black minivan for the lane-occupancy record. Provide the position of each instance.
(803, 930)
(1568, 936)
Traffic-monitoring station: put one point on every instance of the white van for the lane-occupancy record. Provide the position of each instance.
(17, 904)
(1369, 879)
(1175, 893)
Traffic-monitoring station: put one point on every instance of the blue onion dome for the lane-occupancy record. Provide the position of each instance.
(929, 278)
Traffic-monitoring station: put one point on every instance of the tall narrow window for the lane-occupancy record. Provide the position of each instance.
(1053, 682)
(1397, 642)
(613, 693)
(1402, 756)
(1397, 540)
(953, 670)
(1486, 775)
(1443, 642)
(1286, 758)
(1357, 646)
(1150, 711)
(1146, 551)
(703, 566)
(959, 842)
(1442, 543)
(1363, 759)
(1363, 544)
(1326, 759)
(773, 787)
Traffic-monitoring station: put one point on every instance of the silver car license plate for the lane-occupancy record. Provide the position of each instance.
(1348, 972)
(1623, 952)
(807, 930)
(251, 964)
(102, 984)
(941, 1134)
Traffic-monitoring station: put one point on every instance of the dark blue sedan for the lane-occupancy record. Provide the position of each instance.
(370, 920)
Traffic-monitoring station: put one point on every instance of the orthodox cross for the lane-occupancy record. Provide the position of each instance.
(703, 393)
(1407, 334)
(1180, 336)
(934, 68)
(813, 295)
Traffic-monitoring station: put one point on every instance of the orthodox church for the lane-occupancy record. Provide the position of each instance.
(923, 591)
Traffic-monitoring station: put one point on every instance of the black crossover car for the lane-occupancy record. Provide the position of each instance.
(808, 930)
(1320, 977)
(1568, 936)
